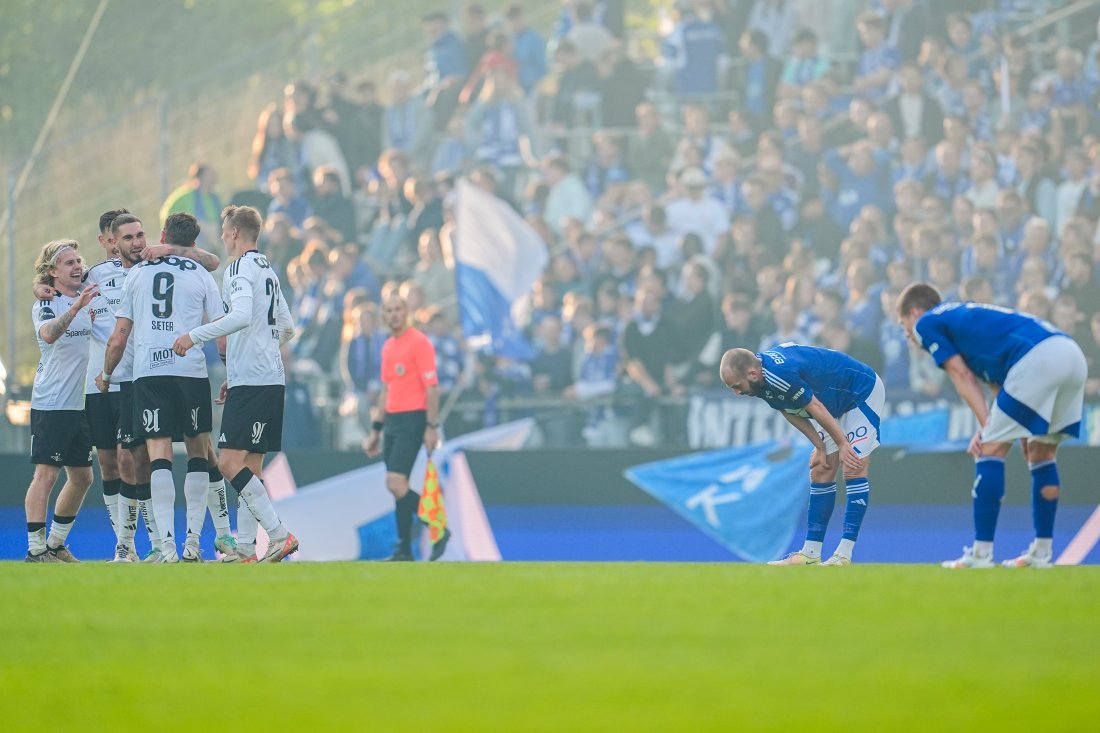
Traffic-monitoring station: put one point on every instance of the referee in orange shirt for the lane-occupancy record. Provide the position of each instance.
(406, 416)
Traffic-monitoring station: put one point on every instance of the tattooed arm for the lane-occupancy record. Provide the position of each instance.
(52, 330)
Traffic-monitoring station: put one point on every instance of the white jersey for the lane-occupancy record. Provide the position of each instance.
(59, 380)
(166, 298)
(257, 317)
(109, 275)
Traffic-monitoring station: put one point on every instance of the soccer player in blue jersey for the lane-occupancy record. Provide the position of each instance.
(833, 400)
(1037, 375)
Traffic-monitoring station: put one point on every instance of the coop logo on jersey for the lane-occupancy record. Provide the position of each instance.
(194, 418)
(258, 432)
(161, 357)
(182, 263)
(46, 312)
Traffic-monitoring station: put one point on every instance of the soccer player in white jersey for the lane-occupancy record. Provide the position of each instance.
(126, 235)
(256, 324)
(59, 433)
(162, 298)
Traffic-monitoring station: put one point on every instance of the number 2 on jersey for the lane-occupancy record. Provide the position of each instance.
(162, 294)
(271, 289)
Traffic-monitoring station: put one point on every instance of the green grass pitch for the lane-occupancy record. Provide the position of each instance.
(547, 647)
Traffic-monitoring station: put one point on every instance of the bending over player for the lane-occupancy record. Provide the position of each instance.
(1037, 374)
(834, 401)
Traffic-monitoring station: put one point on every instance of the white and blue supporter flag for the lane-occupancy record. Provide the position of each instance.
(498, 257)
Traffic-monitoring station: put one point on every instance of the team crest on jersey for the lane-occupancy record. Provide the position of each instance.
(56, 457)
(258, 432)
(194, 418)
(400, 369)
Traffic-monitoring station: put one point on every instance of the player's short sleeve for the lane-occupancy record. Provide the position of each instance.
(934, 338)
(799, 393)
(425, 362)
(43, 311)
(126, 296)
(101, 327)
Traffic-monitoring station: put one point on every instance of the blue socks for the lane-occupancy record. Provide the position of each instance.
(989, 490)
(859, 495)
(1043, 509)
(822, 501)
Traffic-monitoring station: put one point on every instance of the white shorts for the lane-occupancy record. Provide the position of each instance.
(861, 424)
(1042, 396)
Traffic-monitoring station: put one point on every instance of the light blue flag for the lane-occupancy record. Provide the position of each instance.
(750, 499)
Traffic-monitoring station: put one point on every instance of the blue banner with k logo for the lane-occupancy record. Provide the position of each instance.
(750, 499)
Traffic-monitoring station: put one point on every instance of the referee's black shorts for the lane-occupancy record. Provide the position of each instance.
(402, 436)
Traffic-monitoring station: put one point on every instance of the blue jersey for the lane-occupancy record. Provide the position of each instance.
(794, 375)
(990, 339)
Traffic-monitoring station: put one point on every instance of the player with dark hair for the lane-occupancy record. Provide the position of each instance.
(405, 417)
(59, 432)
(833, 400)
(162, 298)
(256, 324)
(1037, 375)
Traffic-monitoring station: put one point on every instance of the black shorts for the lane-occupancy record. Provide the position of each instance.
(253, 418)
(60, 438)
(127, 437)
(402, 437)
(167, 407)
(103, 410)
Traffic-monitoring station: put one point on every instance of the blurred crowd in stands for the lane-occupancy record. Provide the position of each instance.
(755, 172)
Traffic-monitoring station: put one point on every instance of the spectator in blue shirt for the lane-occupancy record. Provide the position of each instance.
(879, 60)
(1070, 94)
(756, 78)
(861, 181)
(528, 47)
(606, 169)
(805, 65)
(947, 180)
(446, 68)
(285, 198)
(446, 56)
(693, 52)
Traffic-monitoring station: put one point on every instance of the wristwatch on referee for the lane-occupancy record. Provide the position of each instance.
(434, 425)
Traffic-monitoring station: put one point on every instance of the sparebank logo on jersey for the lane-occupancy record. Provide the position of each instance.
(150, 420)
(258, 432)
(161, 357)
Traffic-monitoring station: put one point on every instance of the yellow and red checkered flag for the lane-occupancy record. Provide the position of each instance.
(431, 511)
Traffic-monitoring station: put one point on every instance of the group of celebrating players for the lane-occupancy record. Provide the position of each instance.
(122, 370)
